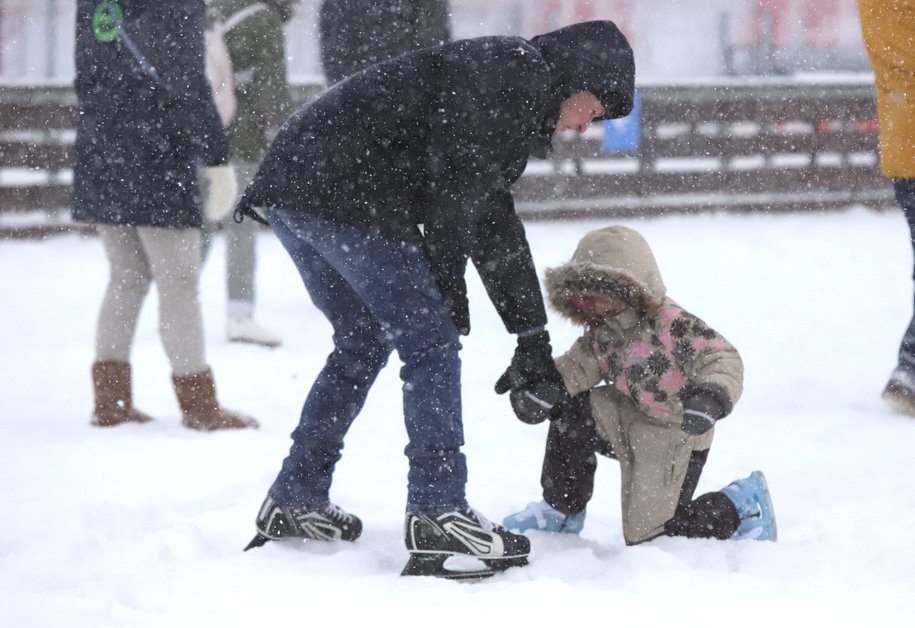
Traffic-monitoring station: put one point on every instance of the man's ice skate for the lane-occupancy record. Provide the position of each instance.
(900, 392)
(432, 540)
(543, 517)
(754, 506)
(330, 523)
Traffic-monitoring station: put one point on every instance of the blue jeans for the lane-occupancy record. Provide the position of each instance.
(378, 294)
(905, 195)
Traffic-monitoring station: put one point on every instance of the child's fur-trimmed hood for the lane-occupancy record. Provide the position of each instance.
(614, 261)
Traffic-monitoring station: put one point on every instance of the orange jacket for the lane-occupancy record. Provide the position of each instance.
(888, 27)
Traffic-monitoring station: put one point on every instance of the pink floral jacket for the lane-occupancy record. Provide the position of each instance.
(655, 359)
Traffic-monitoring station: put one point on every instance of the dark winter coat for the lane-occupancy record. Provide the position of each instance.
(357, 33)
(436, 138)
(258, 52)
(140, 140)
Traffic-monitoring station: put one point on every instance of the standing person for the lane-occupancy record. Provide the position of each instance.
(147, 129)
(889, 32)
(357, 33)
(647, 381)
(381, 190)
(255, 41)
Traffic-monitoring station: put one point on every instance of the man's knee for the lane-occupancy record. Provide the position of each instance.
(365, 354)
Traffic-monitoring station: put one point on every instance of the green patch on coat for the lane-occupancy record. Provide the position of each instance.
(106, 21)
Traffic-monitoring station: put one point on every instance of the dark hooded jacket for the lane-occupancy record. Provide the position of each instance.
(140, 139)
(357, 33)
(436, 138)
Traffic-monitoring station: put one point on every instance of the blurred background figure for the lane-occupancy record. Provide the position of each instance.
(358, 33)
(148, 128)
(255, 41)
(888, 29)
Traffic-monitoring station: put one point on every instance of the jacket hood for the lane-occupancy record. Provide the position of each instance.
(614, 261)
(592, 56)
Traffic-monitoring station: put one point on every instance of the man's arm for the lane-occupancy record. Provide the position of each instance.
(478, 131)
(504, 262)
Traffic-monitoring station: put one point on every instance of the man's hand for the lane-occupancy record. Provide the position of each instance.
(537, 387)
(531, 363)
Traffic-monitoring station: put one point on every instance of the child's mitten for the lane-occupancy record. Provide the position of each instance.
(703, 407)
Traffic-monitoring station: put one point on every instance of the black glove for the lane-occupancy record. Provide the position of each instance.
(702, 408)
(531, 408)
(533, 371)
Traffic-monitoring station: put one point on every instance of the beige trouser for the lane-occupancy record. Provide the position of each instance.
(653, 457)
(137, 257)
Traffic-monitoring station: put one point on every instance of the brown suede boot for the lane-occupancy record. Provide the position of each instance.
(197, 397)
(113, 395)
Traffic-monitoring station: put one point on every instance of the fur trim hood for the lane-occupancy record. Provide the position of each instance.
(614, 261)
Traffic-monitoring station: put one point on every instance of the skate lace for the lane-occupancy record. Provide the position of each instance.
(335, 512)
(485, 523)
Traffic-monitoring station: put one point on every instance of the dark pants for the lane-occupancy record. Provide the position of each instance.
(379, 295)
(905, 195)
(570, 463)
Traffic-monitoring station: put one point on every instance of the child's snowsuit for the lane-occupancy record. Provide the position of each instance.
(632, 377)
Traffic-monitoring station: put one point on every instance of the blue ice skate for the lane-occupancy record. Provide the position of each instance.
(754, 505)
(543, 517)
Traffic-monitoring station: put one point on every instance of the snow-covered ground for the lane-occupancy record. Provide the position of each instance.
(144, 525)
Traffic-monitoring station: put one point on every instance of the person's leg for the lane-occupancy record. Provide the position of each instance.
(660, 473)
(394, 281)
(128, 285)
(711, 515)
(655, 466)
(361, 350)
(175, 259)
(240, 253)
(395, 285)
(905, 195)
(241, 239)
(567, 475)
(127, 288)
(241, 267)
(570, 463)
(900, 390)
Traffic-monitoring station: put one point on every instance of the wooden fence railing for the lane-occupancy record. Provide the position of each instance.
(729, 146)
(37, 129)
(732, 146)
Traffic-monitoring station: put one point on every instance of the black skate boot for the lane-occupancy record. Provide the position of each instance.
(432, 540)
(330, 523)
